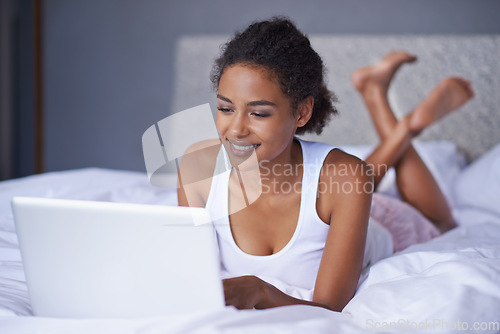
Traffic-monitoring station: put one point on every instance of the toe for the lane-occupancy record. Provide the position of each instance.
(467, 86)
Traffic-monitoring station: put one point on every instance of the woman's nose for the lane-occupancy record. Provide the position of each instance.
(238, 126)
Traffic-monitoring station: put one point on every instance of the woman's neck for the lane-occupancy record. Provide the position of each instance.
(286, 168)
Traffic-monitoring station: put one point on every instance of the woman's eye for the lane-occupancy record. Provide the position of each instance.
(223, 109)
(260, 114)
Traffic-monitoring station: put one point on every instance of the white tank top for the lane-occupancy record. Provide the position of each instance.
(298, 262)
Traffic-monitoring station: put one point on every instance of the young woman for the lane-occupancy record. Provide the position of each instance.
(299, 211)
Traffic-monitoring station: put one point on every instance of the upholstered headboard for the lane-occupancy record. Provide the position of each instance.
(475, 128)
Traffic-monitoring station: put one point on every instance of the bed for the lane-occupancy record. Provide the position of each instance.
(449, 284)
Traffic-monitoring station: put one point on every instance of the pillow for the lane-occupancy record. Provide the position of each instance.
(443, 159)
(479, 184)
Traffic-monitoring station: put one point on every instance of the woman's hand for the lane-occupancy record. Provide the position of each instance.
(247, 292)
(244, 292)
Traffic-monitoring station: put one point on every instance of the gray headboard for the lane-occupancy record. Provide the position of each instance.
(475, 128)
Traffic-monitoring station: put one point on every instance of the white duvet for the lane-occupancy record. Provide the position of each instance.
(450, 284)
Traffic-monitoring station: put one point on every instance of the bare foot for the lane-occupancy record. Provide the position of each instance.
(380, 74)
(449, 95)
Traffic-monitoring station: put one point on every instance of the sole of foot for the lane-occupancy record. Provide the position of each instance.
(449, 95)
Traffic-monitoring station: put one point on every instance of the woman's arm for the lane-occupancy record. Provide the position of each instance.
(347, 208)
(247, 292)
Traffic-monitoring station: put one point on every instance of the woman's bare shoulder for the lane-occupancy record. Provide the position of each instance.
(196, 170)
(342, 165)
(344, 180)
(204, 148)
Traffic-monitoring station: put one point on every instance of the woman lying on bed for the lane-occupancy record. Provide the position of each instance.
(303, 212)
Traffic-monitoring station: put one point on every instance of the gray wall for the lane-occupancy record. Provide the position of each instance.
(108, 65)
(17, 88)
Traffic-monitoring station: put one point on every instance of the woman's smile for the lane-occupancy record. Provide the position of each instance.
(241, 148)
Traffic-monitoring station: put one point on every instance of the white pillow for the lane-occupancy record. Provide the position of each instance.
(479, 183)
(443, 159)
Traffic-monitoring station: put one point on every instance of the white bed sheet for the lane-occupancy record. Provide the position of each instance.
(450, 283)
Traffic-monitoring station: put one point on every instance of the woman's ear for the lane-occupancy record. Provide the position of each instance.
(305, 111)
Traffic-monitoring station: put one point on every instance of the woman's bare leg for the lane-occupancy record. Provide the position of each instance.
(415, 183)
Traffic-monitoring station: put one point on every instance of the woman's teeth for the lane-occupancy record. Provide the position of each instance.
(242, 148)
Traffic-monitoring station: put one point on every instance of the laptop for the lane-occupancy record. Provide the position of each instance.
(101, 259)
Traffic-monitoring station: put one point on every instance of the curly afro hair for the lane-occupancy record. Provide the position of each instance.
(278, 46)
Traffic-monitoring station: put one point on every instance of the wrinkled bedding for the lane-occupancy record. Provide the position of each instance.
(448, 284)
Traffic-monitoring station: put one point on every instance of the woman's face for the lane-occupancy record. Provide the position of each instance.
(254, 114)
